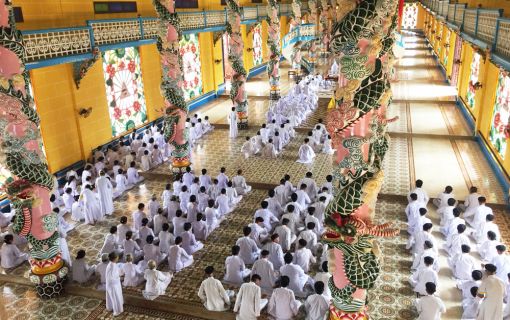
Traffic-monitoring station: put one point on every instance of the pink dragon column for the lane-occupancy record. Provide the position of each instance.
(273, 43)
(176, 109)
(235, 57)
(29, 187)
(295, 23)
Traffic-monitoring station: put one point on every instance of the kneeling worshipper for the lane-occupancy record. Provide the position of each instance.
(11, 256)
(317, 305)
(283, 304)
(114, 297)
(157, 281)
(239, 183)
(92, 207)
(235, 270)
(211, 292)
(492, 291)
(132, 275)
(178, 258)
(249, 301)
(80, 269)
(306, 153)
(430, 306)
(264, 268)
(248, 148)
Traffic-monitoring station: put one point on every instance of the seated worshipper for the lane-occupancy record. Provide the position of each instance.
(311, 218)
(157, 156)
(166, 239)
(192, 209)
(310, 237)
(214, 190)
(446, 214)
(101, 272)
(138, 216)
(172, 208)
(275, 251)
(11, 256)
(132, 276)
(283, 304)
(203, 199)
(91, 205)
(71, 184)
(132, 175)
(454, 243)
(68, 198)
(87, 172)
(151, 252)
(264, 133)
(268, 216)
(178, 222)
(115, 168)
(205, 179)
(471, 201)
(206, 125)
(144, 232)
(146, 161)
(326, 147)
(131, 247)
(166, 196)
(114, 298)
(211, 292)
(235, 270)
(429, 251)
(121, 183)
(273, 203)
(211, 216)
(465, 286)
(478, 215)
(222, 203)
(239, 183)
(442, 198)
(156, 281)
(248, 148)
(222, 178)
(258, 142)
(110, 242)
(153, 206)
(423, 197)
(323, 276)
(487, 249)
(77, 210)
(306, 153)
(502, 262)
(317, 305)
(200, 228)
(178, 258)
(298, 278)
(492, 290)
(269, 150)
(303, 256)
(64, 248)
(249, 302)
(80, 269)
(489, 225)
(258, 231)
(184, 198)
(189, 243)
(471, 305)
(314, 144)
(463, 264)
(303, 199)
(430, 306)
(122, 228)
(412, 213)
(248, 247)
(286, 235)
(195, 187)
(231, 193)
(158, 221)
(264, 268)
(420, 277)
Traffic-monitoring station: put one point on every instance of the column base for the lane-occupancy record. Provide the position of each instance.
(50, 285)
(243, 124)
(335, 314)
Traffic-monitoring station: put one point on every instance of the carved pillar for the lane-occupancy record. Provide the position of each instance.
(176, 109)
(29, 187)
(273, 42)
(295, 23)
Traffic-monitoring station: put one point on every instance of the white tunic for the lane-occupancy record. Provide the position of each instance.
(105, 193)
(306, 154)
(421, 277)
(264, 268)
(491, 307)
(178, 259)
(235, 270)
(166, 239)
(213, 295)
(249, 303)
(156, 284)
(121, 184)
(92, 207)
(132, 277)
(114, 298)
(249, 250)
(81, 270)
(430, 308)
(297, 277)
(283, 304)
(316, 306)
(11, 256)
(232, 120)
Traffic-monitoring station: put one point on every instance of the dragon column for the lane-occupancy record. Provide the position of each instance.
(273, 43)
(361, 42)
(30, 185)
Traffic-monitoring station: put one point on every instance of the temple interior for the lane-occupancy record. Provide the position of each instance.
(94, 71)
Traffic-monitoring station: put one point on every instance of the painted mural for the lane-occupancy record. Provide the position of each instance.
(192, 72)
(257, 45)
(499, 125)
(410, 15)
(124, 89)
(473, 78)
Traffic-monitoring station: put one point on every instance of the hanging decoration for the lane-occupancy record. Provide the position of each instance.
(29, 185)
(273, 43)
(176, 109)
(80, 68)
(361, 41)
(235, 57)
(257, 44)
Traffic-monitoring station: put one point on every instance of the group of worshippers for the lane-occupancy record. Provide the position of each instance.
(197, 128)
(467, 228)
(169, 228)
(278, 256)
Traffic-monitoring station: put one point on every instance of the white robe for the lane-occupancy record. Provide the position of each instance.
(491, 307)
(248, 149)
(105, 192)
(324, 277)
(156, 284)
(11, 256)
(82, 271)
(235, 270)
(114, 298)
(166, 239)
(430, 308)
(239, 182)
(213, 295)
(298, 278)
(133, 177)
(121, 184)
(92, 207)
(132, 276)
(249, 303)
(421, 277)
(264, 268)
(249, 249)
(110, 244)
(316, 306)
(283, 304)
(305, 154)
(178, 259)
(232, 120)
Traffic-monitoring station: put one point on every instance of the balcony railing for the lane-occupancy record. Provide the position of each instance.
(72, 44)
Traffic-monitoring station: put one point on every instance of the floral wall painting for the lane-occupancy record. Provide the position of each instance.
(410, 15)
(473, 78)
(190, 52)
(257, 44)
(124, 89)
(500, 131)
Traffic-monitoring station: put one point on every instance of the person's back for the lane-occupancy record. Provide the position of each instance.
(430, 308)
(233, 270)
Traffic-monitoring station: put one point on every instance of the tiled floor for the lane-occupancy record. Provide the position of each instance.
(430, 141)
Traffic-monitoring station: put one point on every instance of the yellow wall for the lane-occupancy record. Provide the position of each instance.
(206, 60)
(151, 76)
(451, 53)
(420, 20)
(219, 77)
(248, 43)
(265, 49)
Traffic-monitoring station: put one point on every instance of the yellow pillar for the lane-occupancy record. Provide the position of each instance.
(206, 59)
(151, 73)
(265, 49)
(219, 77)
(248, 43)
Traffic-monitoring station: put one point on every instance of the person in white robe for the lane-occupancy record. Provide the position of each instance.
(235, 269)
(138, 216)
(166, 239)
(68, 199)
(471, 201)
(207, 125)
(189, 243)
(264, 268)
(269, 150)
(412, 213)
(178, 222)
(298, 278)
(420, 277)
(269, 218)
(212, 294)
(248, 148)
(430, 307)
(77, 211)
(223, 203)
(465, 286)
(489, 225)
(327, 147)
(286, 235)
(317, 305)
(10, 255)
(133, 177)
(178, 259)
(283, 305)
(491, 290)
(205, 180)
(211, 216)
(275, 251)
(121, 183)
(166, 196)
(114, 297)
(423, 197)
(105, 193)
(81, 270)
(248, 247)
(303, 256)
(199, 227)
(306, 153)
(87, 172)
(429, 251)
(64, 249)
(442, 198)
(264, 134)
(502, 262)
(454, 243)
(231, 193)
(232, 120)
(131, 247)
(92, 207)
(487, 249)
(151, 252)
(463, 264)
(101, 272)
(471, 305)
(323, 276)
(239, 183)
(249, 302)
(156, 281)
(132, 275)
